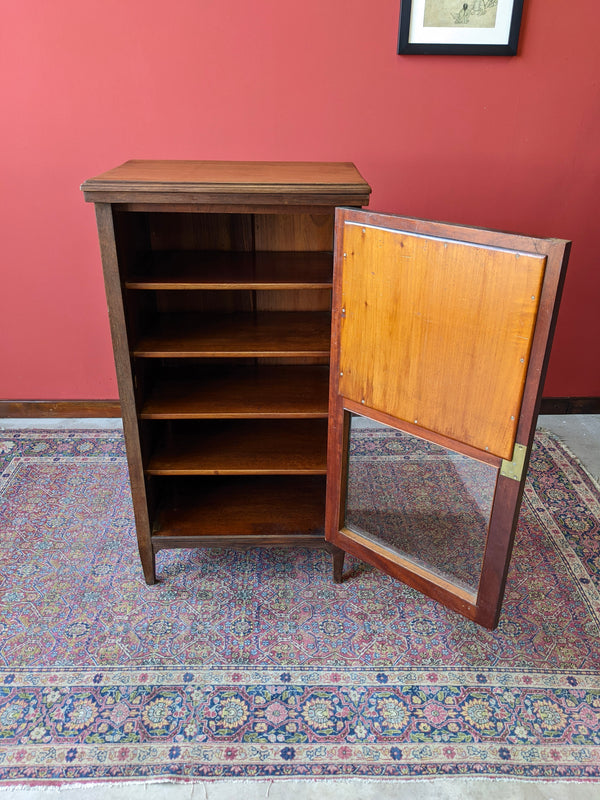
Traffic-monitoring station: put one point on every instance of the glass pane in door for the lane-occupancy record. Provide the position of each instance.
(423, 502)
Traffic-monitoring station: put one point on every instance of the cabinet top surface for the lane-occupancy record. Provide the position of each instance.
(190, 177)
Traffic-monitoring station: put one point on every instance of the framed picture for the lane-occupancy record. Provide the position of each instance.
(460, 27)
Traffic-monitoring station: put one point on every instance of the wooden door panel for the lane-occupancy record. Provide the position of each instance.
(444, 315)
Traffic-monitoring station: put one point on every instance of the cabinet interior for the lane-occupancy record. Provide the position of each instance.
(228, 326)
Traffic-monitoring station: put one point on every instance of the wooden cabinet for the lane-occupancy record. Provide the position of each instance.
(218, 278)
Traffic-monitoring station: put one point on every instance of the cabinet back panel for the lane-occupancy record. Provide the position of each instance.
(201, 231)
(294, 300)
(244, 300)
(307, 232)
(223, 301)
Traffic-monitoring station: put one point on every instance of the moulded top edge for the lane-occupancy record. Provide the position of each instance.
(227, 176)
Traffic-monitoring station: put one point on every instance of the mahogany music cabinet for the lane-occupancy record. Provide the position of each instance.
(218, 278)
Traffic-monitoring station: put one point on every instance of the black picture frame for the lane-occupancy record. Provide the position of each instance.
(461, 35)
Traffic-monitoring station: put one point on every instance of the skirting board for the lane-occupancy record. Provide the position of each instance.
(23, 409)
(570, 405)
(59, 408)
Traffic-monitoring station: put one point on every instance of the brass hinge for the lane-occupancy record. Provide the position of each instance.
(514, 469)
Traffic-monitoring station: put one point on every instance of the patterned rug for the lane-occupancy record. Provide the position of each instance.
(255, 664)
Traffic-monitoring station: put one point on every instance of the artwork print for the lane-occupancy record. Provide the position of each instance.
(460, 27)
(450, 13)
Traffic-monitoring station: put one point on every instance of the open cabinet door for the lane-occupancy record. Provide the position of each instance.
(441, 337)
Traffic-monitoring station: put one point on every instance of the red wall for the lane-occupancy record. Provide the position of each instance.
(510, 143)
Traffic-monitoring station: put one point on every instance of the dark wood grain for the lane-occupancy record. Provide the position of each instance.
(181, 232)
(118, 325)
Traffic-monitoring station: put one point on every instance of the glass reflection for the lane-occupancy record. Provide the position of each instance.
(422, 501)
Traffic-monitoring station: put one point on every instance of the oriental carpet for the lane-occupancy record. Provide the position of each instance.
(255, 664)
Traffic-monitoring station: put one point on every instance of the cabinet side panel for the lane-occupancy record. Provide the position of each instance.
(112, 280)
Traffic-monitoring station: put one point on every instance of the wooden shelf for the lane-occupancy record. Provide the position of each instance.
(193, 269)
(252, 392)
(251, 511)
(285, 447)
(268, 333)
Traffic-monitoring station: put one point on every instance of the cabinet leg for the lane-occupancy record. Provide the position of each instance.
(338, 563)
(149, 567)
